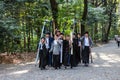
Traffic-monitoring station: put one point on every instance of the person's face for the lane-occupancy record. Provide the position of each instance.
(86, 35)
(79, 36)
(58, 33)
(47, 35)
(61, 36)
(67, 38)
(73, 36)
(42, 40)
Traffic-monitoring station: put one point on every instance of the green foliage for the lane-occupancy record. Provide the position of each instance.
(96, 15)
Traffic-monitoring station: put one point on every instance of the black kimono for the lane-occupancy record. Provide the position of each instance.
(66, 50)
(42, 56)
(79, 55)
(73, 59)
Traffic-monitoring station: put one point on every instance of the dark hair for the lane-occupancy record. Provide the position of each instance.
(78, 34)
(58, 30)
(86, 32)
(61, 33)
(47, 33)
(74, 34)
(67, 35)
(43, 38)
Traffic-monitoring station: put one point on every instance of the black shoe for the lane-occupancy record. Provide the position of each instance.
(41, 68)
(59, 67)
(44, 68)
(55, 67)
(65, 67)
(86, 65)
(71, 67)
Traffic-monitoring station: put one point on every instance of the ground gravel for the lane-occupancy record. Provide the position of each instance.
(106, 66)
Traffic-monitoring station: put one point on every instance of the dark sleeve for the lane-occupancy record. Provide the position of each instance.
(37, 46)
(91, 42)
(44, 49)
(52, 39)
(77, 41)
(64, 45)
(82, 40)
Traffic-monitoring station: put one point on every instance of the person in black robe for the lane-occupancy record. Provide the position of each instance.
(79, 55)
(42, 54)
(73, 59)
(61, 38)
(66, 51)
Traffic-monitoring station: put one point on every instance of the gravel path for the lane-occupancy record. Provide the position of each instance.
(106, 66)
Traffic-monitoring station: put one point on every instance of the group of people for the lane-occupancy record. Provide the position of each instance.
(64, 50)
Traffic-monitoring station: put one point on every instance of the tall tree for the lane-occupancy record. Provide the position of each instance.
(84, 16)
(54, 8)
(112, 9)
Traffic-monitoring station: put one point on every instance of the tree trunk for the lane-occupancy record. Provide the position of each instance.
(96, 25)
(105, 3)
(84, 17)
(95, 32)
(93, 2)
(109, 27)
(54, 8)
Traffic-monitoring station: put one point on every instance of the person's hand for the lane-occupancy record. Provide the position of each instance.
(37, 49)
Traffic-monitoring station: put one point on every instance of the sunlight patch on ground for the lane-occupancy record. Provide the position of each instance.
(10, 68)
(28, 63)
(94, 54)
(110, 57)
(108, 60)
(99, 45)
(19, 72)
(102, 65)
(104, 56)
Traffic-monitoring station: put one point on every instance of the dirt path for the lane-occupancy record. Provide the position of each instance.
(106, 66)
